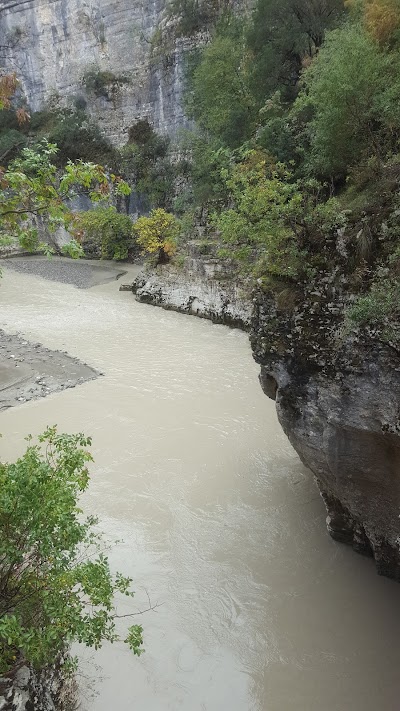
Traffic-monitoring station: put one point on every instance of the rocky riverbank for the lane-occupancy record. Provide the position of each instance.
(202, 286)
(339, 404)
(29, 371)
(25, 689)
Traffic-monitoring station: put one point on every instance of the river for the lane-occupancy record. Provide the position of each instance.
(218, 521)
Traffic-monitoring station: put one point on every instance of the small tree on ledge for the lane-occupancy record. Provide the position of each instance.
(157, 234)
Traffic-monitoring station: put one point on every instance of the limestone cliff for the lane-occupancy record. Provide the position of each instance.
(340, 408)
(52, 44)
(202, 286)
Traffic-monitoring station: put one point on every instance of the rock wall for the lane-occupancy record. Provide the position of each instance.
(202, 286)
(24, 689)
(342, 416)
(50, 44)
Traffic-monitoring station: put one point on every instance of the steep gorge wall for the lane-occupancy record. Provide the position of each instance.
(339, 404)
(50, 44)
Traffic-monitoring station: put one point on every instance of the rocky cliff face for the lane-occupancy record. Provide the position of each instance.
(52, 44)
(203, 286)
(24, 689)
(341, 412)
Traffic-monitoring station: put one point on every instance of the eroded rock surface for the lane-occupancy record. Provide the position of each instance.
(342, 415)
(53, 45)
(202, 287)
(24, 689)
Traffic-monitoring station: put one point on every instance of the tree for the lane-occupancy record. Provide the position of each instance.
(381, 18)
(56, 586)
(261, 195)
(285, 34)
(146, 163)
(353, 91)
(104, 228)
(157, 234)
(220, 99)
(275, 219)
(31, 188)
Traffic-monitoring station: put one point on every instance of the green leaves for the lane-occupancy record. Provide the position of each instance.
(135, 639)
(220, 99)
(56, 585)
(108, 230)
(351, 118)
(32, 191)
(257, 224)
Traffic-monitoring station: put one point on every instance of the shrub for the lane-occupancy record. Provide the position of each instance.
(56, 584)
(379, 308)
(220, 100)
(262, 197)
(104, 232)
(193, 16)
(77, 137)
(10, 141)
(351, 118)
(101, 82)
(80, 103)
(157, 234)
(146, 161)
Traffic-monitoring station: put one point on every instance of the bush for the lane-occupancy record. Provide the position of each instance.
(104, 232)
(380, 306)
(261, 219)
(145, 160)
(56, 584)
(220, 100)
(207, 161)
(196, 15)
(77, 137)
(352, 118)
(101, 82)
(157, 234)
(10, 141)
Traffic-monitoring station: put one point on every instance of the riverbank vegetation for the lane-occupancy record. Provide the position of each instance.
(34, 196)
(56, 585)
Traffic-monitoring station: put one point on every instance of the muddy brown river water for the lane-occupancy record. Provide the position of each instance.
(220, 523)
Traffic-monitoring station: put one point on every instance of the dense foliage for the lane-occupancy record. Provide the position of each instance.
(157, 234)
(33, 193)
(146, 164)
(296, 146)
(104, 232)
(56, 586)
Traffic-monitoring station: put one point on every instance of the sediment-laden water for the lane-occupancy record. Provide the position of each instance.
(259, 609)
